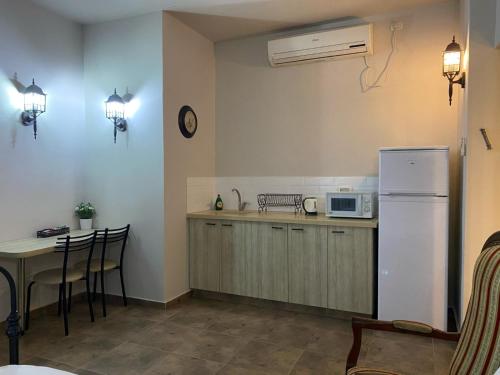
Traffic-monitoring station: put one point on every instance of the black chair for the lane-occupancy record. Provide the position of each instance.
(12, 330)
(104, 264)
(66, 276)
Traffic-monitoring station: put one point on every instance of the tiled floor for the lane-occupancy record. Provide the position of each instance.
(211, 337)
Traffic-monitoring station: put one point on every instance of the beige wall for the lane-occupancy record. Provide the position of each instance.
(314, 120)
(189, 71)
(482, 174)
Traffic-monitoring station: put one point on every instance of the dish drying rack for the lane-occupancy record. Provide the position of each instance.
(264, 201)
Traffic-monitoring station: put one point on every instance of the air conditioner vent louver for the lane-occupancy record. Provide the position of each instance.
(350, 41)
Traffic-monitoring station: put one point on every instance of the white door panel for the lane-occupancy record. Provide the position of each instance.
(414, 171)
(413, 259)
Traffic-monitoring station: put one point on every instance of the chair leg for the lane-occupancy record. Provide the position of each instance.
(69, 299)
(28, 305)
(95, 286)
(59, 303)
(89, 300)
(103, 296)
(65, 310)
(123, 287)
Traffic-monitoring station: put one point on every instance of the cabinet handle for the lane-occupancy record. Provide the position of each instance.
(338, 231)
(297, 228)
(211, 224)
(277, 227)
(227, 225)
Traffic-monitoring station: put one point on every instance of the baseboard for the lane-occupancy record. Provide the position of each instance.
(52, 307)
(180, 299)
(134, 301)
(320, 311)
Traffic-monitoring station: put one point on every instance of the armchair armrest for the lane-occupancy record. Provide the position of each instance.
(400, 326)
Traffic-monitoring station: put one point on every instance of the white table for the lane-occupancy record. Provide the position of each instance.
(31, 370)
(26, 248)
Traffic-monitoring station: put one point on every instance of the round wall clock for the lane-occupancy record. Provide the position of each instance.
(188, 122)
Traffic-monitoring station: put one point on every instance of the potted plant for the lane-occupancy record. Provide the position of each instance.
(85, 211)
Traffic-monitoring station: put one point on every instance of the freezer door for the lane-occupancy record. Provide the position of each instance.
(413, 259)
(414, 171)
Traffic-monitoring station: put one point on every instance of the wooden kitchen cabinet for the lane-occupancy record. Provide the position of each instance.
(326, 264)
(204, 254)
(272, 243)
(350, 269)
(237, 256)
(254, 260)
(307, 265)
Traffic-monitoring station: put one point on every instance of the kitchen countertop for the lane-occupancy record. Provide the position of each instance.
(283, 217)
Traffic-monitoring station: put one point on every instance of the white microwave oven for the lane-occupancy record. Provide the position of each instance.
(351, 204)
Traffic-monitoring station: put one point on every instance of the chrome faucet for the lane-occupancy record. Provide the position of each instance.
(241, 205)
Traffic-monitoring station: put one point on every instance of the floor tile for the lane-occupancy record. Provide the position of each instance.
(319, 364)
(128, 358)
(266, 357)
(167, 336)
(173, 364)
(214, 346)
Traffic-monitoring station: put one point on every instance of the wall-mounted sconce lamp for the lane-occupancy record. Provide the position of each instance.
(115, 111)
(452, 65)
(34, 105)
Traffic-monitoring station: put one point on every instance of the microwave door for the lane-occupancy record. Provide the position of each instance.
(345, 206)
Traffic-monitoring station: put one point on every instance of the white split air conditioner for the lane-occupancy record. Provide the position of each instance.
(346, 42)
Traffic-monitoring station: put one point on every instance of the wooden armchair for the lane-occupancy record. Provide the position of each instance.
(478, 349)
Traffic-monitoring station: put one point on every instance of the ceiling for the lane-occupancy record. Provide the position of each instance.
(227, 19)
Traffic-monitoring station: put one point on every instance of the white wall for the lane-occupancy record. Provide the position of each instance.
(481, 213)
(40, 180)
(125, 180)
(189, 68)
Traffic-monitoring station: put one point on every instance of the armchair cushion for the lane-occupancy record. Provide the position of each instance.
(478, 350)
(412, 326)
(369, 371)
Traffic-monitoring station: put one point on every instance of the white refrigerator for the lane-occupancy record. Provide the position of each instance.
(413, 235)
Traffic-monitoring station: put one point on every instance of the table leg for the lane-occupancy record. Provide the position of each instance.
(21, 290)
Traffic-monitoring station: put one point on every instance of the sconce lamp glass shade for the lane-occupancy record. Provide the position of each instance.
(34, 100)
(115, 111)
(452, 65)
(452, 59)
(115, 107)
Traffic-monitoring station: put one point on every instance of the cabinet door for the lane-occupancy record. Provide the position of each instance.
(307, 264)
(273, 258)
(204, 255)
(238, 246)
(350, 269)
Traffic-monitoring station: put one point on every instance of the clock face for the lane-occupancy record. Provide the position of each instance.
(188, 122)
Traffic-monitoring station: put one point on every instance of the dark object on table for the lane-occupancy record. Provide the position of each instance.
(12, 330)
(51, 232)
(279, 200)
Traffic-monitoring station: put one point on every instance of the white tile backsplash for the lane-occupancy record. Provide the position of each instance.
(202, 191)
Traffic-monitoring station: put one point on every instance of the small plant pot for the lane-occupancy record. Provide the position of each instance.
(85, 224)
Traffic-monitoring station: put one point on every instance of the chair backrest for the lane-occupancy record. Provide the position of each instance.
(478, 350)
(70, 244)
(108, 236)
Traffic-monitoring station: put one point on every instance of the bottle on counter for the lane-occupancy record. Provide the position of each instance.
(219, 205)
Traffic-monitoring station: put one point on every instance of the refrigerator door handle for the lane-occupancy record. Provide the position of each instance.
(415, 195)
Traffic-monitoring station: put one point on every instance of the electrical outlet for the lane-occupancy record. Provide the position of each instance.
(396, 26)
